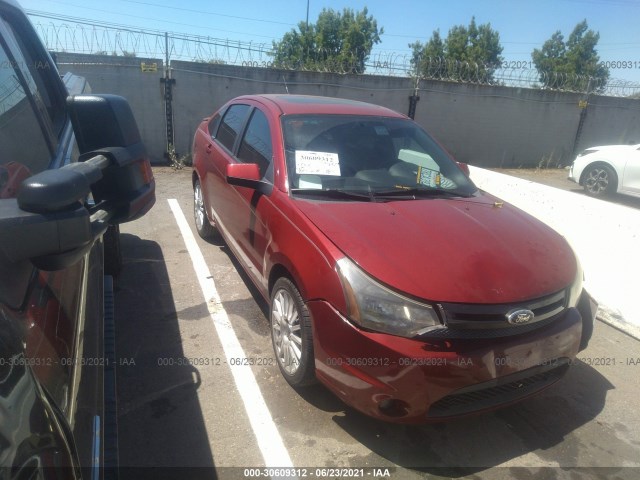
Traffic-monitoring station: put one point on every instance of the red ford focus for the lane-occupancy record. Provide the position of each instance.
(390, 277)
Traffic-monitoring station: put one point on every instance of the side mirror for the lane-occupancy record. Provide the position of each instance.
(465, 168)
(51, 223)
(105, 125)
(247, 175)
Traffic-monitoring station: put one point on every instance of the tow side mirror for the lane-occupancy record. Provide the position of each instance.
(51, 222)
(247, 175)
(105, 125)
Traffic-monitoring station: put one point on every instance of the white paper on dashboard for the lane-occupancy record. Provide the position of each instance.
(317, 163)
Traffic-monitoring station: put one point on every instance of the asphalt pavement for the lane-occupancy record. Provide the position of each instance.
(190, 406)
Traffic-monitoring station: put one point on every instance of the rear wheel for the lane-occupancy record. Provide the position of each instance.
(204, 228)
(600, 180)
(291, 334)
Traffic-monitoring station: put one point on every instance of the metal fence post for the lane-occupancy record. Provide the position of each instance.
(413, 100)
(583, 104)
(168, 83)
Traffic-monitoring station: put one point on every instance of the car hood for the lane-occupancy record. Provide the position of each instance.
(468, 250)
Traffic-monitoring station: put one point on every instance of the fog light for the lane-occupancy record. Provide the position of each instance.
(392, 407)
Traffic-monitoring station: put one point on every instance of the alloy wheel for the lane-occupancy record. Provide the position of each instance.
(198, 206)
(597, 181)
(287, 335)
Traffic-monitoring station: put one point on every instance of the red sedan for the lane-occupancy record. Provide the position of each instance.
(390, 277)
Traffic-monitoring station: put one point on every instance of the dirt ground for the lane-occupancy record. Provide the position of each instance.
(553, 177)
(557, 177)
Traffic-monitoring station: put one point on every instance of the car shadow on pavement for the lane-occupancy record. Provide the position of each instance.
(471, 445)
(159, 416)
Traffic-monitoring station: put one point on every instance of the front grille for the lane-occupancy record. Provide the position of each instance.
(464, 320)
(470, 333)
(500, 391)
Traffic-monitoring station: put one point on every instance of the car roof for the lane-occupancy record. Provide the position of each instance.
(309, 104)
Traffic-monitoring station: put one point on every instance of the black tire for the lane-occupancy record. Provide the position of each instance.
(600, 180)
(291, 334)
(112, 251)
(204, 228)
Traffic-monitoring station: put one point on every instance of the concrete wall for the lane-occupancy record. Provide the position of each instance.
(610, 120)
(488, 126)
(124, 76)
(492, 126)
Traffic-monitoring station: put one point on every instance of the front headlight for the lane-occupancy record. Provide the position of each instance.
(575, 290)
(375, 307)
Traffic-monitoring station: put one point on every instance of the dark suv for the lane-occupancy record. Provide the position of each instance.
(72, 167)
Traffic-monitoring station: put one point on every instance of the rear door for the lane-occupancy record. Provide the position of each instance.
(220, 151)
(243, 135)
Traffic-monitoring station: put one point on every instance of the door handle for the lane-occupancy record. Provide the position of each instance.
(209, 147)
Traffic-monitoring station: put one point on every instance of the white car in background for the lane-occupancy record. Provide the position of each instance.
(608, 169)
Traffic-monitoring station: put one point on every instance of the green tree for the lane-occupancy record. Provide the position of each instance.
(337, 42)
(427, 58)
(472, 51)
(571, 64)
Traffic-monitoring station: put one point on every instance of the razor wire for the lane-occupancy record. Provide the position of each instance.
(88, 38)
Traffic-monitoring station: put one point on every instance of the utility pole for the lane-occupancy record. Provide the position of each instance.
(582, 104)
(413, 100)
(307, 14)
(168, 97)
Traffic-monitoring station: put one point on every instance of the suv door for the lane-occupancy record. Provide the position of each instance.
(58, 315)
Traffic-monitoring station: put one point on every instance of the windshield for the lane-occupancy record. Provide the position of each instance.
(377, 155)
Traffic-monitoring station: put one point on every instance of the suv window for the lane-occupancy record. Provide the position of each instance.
(256, 144)
(231, 125)
(26, 139)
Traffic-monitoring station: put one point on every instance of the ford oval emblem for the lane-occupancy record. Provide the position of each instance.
(520, 317)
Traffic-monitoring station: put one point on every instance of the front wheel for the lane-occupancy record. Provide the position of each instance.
(291, 334)
(204, 228)
(600, 180)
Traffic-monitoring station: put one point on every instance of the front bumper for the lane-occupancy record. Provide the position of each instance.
(416, 381)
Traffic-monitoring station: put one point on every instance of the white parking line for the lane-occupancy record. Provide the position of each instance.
(269, 441)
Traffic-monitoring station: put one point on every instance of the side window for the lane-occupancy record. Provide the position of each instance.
(231, 124)
(256, 144)
(25, 136)
(213, 125)
(35, 70)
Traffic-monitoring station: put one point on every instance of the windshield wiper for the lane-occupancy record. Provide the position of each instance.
(335, 193)
(412, 193)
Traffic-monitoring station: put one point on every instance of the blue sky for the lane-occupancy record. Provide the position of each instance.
(523, 26)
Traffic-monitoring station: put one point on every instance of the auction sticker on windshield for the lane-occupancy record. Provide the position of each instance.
(317, 163)
(428, 177)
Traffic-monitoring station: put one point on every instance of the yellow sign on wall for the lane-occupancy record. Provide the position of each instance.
(148, 67)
